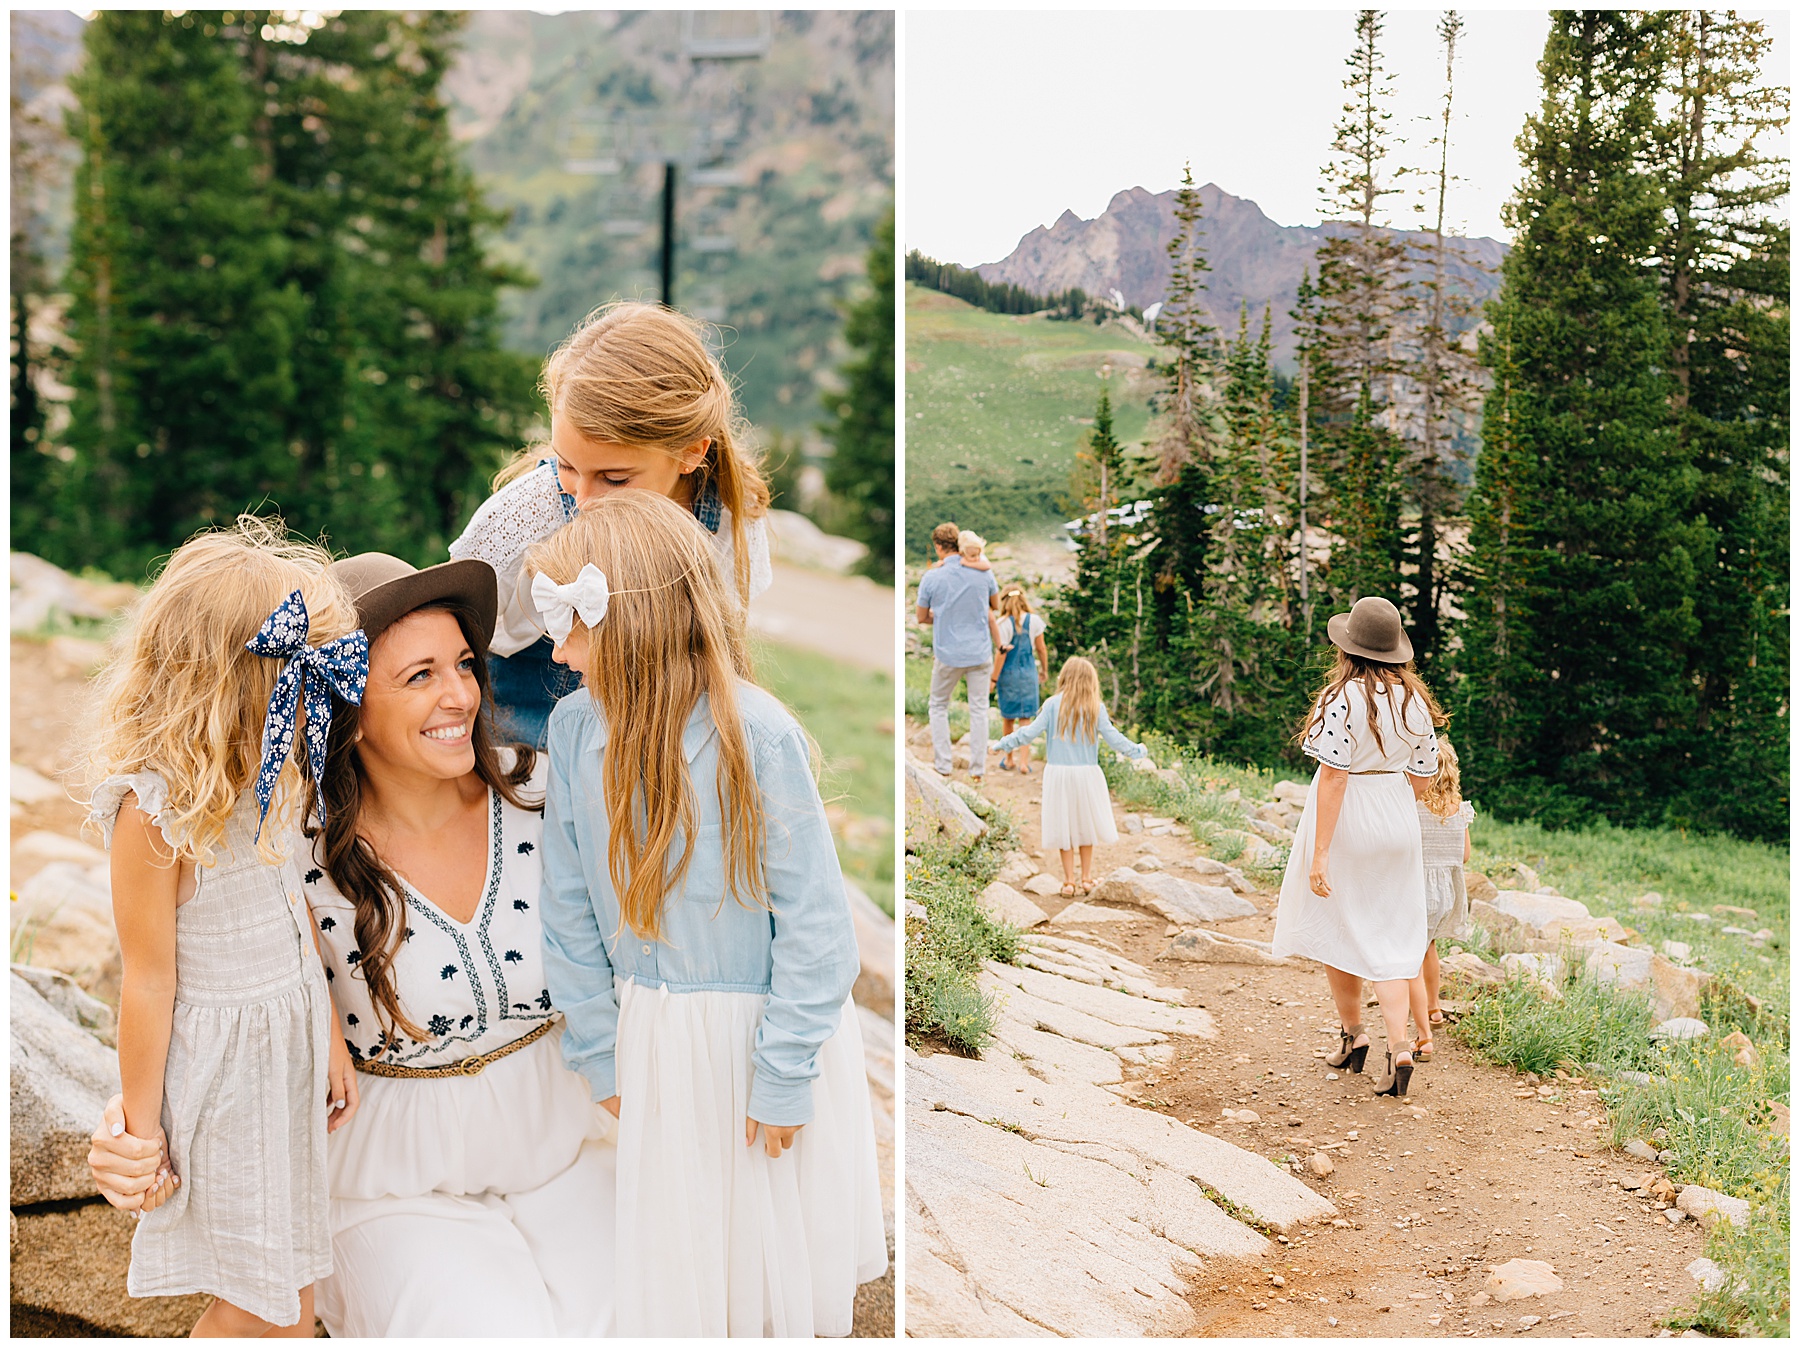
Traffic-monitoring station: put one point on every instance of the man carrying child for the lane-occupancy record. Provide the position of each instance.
(955, 600)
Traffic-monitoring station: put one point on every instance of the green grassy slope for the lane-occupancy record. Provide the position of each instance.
(849, 712)
(996, 407)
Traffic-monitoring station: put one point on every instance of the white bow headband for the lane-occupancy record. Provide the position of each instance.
(585, 597)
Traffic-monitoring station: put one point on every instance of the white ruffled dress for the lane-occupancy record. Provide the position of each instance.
(244, 1085)
(467, 1206)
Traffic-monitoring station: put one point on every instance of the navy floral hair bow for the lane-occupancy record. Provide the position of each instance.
(312, 673)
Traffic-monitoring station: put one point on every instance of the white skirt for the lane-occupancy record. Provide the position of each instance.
(473, 1206)
(1373, 922)
(716, 1238)
(1077, 808)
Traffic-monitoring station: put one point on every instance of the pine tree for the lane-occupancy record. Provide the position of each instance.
(183, 324)
(1362, 305)
(1725, 275)
(861, 470)
(1573, 676)
(1184, 446)
(281, 297)
(1445, 375)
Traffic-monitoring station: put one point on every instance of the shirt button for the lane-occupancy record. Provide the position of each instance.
(293, 896)
(646, 950)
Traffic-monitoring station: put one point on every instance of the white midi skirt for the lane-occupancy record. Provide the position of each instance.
(1077, 808)
(1373, 922)
(473, 1207)
(716, 1238)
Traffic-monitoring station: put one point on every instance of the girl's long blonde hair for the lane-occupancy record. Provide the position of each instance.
(1078, 713)
(186, 700)
(1372, 676)
(1014, 604)
(642, 375)
(1443, 796)
(672, 631)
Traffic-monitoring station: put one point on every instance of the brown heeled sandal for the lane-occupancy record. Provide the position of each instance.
(1397, 1078)
(1350, 1054)
(1423, 1050)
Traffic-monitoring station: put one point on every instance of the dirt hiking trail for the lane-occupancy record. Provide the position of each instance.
(1475, 1167)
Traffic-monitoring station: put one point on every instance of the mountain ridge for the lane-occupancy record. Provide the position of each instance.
(1255, 262)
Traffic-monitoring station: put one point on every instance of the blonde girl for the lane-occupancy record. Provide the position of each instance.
(1020, 666)
(637, 399)
(697, 939)
(1444, 819)
(1353, 897)
(1077, 811)
(227, 1056)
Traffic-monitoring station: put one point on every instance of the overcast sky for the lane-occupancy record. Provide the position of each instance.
(1013, 117)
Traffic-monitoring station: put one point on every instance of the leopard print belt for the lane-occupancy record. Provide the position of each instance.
(468, 1067)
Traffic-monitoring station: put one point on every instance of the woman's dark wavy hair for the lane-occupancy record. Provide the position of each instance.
(359, 874)
(1371, 676)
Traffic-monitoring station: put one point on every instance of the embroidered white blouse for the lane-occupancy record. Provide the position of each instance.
(474, 986)
(1343, 735)
(528, 510)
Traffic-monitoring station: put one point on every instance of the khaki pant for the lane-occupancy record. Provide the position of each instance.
(944, 679)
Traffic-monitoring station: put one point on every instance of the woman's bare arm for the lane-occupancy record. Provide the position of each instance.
(1332, 782)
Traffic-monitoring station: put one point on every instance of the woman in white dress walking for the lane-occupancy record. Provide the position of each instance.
(1353, 897)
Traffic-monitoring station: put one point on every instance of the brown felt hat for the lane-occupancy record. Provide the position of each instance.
(1372, 630)
(386, 589)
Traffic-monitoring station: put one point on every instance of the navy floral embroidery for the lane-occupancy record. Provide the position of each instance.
(354, 957)
(311, 675)
(448, 972)
(314, 876)
(328, 924)
(440, 1024)
(543, 1000)
(520, 906)
(526, 849)
(513, 957)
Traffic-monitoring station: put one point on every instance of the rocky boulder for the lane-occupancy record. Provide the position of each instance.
(1674, 991)
(63, 920)
(1006, 904)
(1211, 947)
(1218, 873)
(875, 949)
(1180, 901)
(933, 809)
(1708, 1206)
(1293, 793)
(62, 1077)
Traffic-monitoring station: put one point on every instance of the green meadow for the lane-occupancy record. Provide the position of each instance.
(996, 408)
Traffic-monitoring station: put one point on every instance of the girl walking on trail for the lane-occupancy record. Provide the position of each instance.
(228, 1055)
(1353, 897)
(1077, 811)
(1444, 819)
(697, 939)
(636, 400)
(1020, 666)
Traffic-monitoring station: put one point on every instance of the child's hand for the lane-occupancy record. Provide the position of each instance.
(611, 1105)
(776, 1139)
(129, 1169)
(340, 1092)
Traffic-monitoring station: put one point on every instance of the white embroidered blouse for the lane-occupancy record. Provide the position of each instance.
(474, 986)
(528, 510)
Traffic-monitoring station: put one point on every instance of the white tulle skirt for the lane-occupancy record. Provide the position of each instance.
(1077, 808)
(716, 1238)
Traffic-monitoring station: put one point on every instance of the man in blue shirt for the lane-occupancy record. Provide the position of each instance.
(954, 601)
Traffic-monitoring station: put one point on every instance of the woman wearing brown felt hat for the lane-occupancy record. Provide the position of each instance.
(1353, 897)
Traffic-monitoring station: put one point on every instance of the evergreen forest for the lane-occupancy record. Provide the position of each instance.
(1601, 600)
(292, 284)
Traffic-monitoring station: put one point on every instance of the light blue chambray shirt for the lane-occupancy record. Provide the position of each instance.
(1068, 753)
(802, 954)
(957, 597)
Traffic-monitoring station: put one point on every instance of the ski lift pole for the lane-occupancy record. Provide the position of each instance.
(668, 234)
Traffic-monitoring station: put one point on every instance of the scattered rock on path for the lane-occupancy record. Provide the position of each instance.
(1708, 1274)
(1207, 947)
(1181, 901)
(1008, 905)
(1079, 914)
(1518, 1279)
(30, 787)
(1016, 869)
(1319, 1164)
(1220, 873)
(1042, 884)
(1639, 1148)
(1707, 1206)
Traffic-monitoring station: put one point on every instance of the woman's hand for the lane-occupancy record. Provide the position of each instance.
(776, 1139)
(611, 1105)
(132, 1173)
(340, 1092)
(1320, 876)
